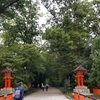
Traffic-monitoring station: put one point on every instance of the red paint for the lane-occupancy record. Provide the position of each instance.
(80, 97)
(7, 77)
(80, 76)
(1, 97)
(9, 97)
(96, 91)
(76, 96)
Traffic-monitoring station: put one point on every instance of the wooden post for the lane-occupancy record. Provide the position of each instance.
(78, 81)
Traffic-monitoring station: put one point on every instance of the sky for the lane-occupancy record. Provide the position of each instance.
(44, 15)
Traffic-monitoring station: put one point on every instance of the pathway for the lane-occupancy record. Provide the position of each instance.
(51, 94)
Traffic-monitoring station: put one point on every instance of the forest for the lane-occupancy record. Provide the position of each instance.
(71, 39)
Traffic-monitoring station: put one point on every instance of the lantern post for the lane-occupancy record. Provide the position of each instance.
(7, 77)
(80, 88)
(79, 71)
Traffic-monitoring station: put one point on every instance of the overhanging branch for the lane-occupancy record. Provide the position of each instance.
(6, 6)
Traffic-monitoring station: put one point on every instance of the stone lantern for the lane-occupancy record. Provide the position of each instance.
(7, 77)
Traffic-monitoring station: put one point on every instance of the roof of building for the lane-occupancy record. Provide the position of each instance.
(79, 68)
(7, 70)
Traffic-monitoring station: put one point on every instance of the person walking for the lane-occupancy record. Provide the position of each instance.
(46, 86)
(19, 92)
(42, 86)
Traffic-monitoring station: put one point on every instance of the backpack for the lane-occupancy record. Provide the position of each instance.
(17, 93)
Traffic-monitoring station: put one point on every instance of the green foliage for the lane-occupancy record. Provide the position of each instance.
(5, 6)
(67, 42)
(25, 87)
(67, 86)
(95, 54)
(19, 56)
(60, 51)
(19, 31)
(22, 28)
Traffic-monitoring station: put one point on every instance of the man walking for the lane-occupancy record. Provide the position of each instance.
(42, 86)
(19, 92)
(47, 86)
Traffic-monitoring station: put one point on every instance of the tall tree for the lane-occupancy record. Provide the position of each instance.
(25, 60)
(95, 54)
(60, 49)
(74, 19)
(22, 27)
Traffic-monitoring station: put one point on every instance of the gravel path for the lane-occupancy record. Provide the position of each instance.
(51, 94)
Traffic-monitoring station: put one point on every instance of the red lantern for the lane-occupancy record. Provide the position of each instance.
(79, 75)
(7, 77)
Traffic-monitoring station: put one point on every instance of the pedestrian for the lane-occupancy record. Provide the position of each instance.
(19, 92)
(42, 86)
(38, 85)
(46, 86)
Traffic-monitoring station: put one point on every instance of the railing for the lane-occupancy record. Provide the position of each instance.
(9, 97)
(6, 94)
(96, 91)
(81, 97)
(2, 98)
(6, 97)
